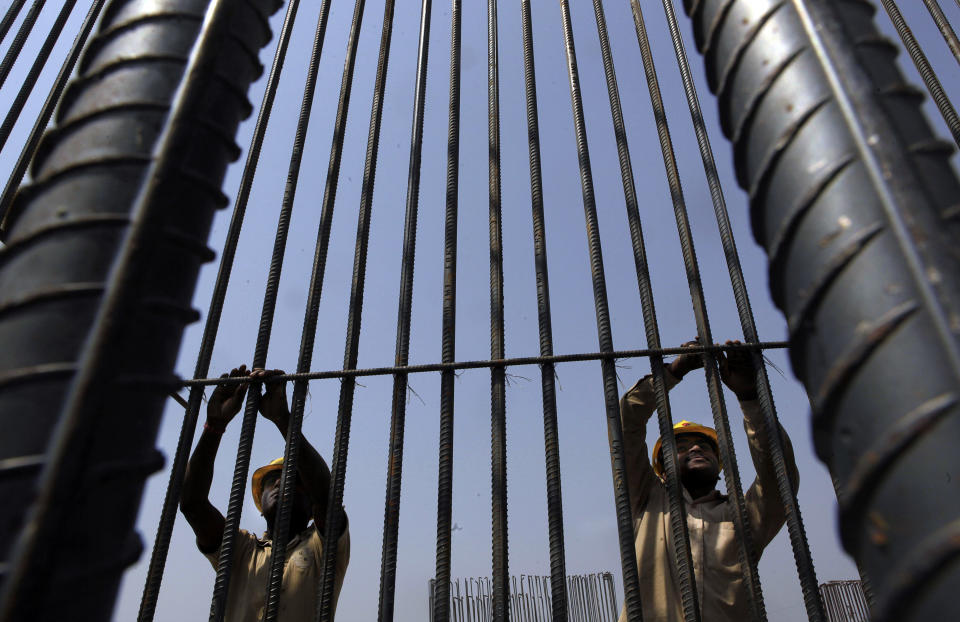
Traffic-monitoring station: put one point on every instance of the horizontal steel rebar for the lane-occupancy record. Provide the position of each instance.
(481, 364)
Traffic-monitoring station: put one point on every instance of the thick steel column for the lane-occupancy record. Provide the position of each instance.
(854, 199)
(96, 279)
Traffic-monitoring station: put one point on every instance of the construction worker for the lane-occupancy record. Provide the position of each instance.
(720, 585)
(246, 600)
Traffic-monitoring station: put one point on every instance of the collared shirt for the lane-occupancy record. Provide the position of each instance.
(247, 596)
(721, 588)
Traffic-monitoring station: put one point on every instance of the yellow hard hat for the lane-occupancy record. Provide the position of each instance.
(256, 484)
(684, 427)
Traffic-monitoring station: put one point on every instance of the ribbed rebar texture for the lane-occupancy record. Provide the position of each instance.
(949, 34)
(391, 511)
(309, 329)
(168, 513)
(628, 560)
(854, 200)
(498, 391)
(29, 21)
(103, 252)
(923, 66)
(551, 437)
(30, 80)
(335, 517)
(248, 425)
(46, 112)
(440, 607)
(9, 17)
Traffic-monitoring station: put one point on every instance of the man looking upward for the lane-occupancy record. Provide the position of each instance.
(719, 578)
(246, 598)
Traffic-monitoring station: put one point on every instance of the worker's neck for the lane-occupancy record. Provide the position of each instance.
(297, 525)
(699, 488)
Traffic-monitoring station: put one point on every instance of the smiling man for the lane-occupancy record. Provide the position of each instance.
(720, 586)
(246, 598)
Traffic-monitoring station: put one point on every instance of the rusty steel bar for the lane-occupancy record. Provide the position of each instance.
(30, 80)
(943, 24)
(547, 370)
(29, 21)
(498, 398)
(628, 560)
(10, 17)
(158, 558)
(854, 199)
(45, 114)
(391, 511)
(325, 602)
(508, 362)
(248, 426)
(440, 608)
(926, 71)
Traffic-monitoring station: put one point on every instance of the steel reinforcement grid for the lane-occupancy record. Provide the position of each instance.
(135, 111)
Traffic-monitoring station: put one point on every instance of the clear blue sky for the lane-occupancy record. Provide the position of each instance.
(591, 542)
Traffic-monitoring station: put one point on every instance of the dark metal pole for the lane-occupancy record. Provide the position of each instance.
(338, 468)
(441, 602)
(628, 560)
(244, 446)
(949, 35)
(308, 335)
(853, 197)
(46, 112)
(551, 437)
(498, 422)
(168, 513)
(9, 17)
(391, 518)
(106, 335)
(29, 20)
(923, 66)
(26, 88)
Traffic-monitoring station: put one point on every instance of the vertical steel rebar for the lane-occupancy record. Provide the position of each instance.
(547, 371)
(30, 80)
(926, 71)
(308, 336)
(46, 112)
(9, 17)
(29, 20)
(391, 519)
(949, 34)
(498, 424)
(158, 558)
(441, 603)
(238, 487)
(338, 468)
(628, 560)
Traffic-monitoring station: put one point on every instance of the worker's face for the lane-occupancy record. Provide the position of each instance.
(696, 454)
(270, 497)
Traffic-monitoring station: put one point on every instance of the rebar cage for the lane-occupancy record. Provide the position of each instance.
(851, 195)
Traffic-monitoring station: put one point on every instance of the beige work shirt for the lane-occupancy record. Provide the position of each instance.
(247, 596)
(713, 545)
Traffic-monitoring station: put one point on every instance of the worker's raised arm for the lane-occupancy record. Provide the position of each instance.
(766, 511)
(311, 467)
(636, 407)
(204, 518)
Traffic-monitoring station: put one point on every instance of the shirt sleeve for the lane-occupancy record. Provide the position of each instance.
(636, 407)
(242, 545)
(764, 507)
